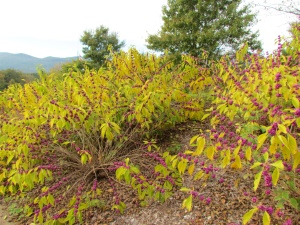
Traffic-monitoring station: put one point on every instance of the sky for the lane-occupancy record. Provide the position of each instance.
(44, 28)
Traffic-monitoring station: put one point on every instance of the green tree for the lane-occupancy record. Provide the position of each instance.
(194, 26)
(11, 76)
(96, 45)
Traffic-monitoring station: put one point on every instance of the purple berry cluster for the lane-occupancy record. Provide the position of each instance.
(116, 165)
(288, 222)
(157, 157)
(287, 167)
(60, 215)
(94, 187)
(267, 209)
(54, 187)
(273, 129)
(78, 198)
(297, 112)
(267, 176)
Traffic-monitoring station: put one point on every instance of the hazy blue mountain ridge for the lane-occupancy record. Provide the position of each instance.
(27, 63)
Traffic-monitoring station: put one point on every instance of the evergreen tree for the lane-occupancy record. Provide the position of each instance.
(96, 45)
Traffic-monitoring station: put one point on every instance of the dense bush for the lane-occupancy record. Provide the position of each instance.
(62, 134)
(84, 122)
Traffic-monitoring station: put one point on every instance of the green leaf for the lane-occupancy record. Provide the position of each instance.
(40, 217)
(247, 217)
(266, 219)
(294, 203)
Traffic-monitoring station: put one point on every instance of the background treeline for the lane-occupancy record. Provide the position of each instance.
(11, 76)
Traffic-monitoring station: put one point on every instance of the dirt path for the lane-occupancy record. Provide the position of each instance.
(4, 218)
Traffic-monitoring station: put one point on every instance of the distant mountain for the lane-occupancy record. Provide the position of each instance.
(27, 63)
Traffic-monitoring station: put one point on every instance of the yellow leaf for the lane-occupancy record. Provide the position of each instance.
(292, 144)
(272, 148)
(84, 159)
(266, 219)
(221, 135)
(200, 146)
(191, 169)
(182, 166)
(205, 116)
(247, 115)
(278, 164)
(266, 156)
(275, 176)
(283, 141)
(282, 128)
(226, 159)
(237, 163)
(115, 127)
(189, 152)
(296, 160)
(257, 180)
(210, 151)
(187, 203)
(103, 129)
(295, 102)
(18, 163)
(261, 139)
(236, 150)
(286, 153)
(248, 154)
(247, 217)
(193, 139)
(198, 175)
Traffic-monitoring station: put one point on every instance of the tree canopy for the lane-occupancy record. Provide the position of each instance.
(96, 44)
(194, 26)
(11, 76)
